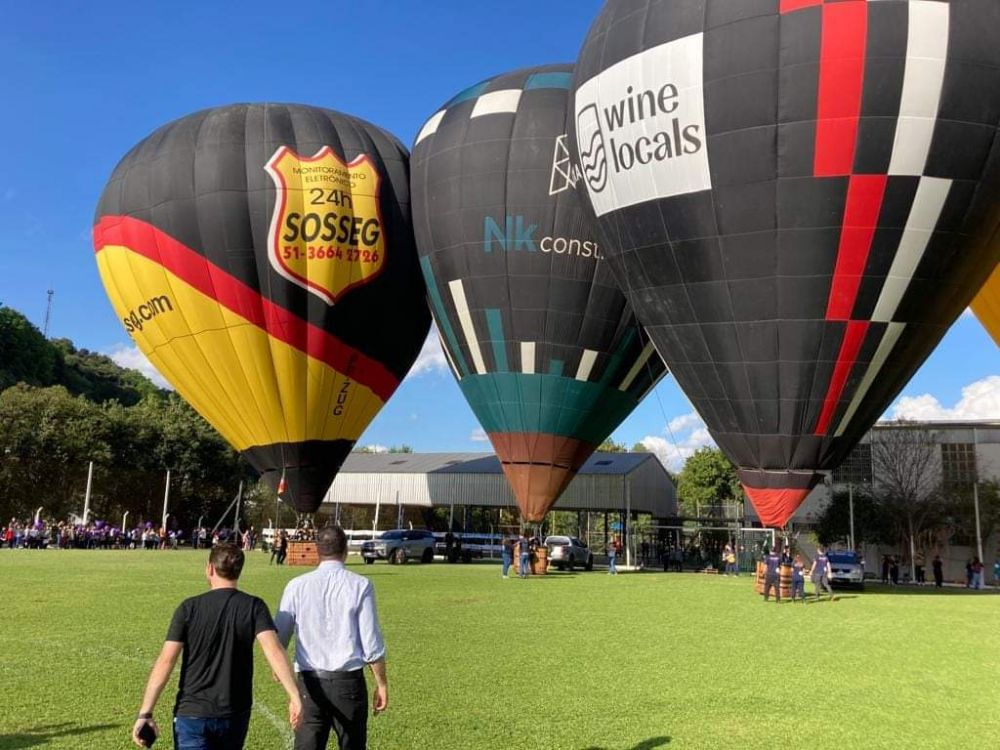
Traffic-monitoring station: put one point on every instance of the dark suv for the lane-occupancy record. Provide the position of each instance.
(400, 545)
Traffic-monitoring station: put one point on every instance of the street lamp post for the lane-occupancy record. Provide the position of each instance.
(975, 494)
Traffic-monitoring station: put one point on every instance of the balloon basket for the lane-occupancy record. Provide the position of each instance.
(302, 554)
(539, 561)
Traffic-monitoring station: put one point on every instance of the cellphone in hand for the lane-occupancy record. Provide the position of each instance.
(147, 735)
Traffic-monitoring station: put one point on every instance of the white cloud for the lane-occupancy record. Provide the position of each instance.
(685, 422)
(431, 357)
(684, 435)
(128, 356)
(479, 435)
(980, 400)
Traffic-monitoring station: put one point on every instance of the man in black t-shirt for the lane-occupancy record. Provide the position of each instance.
(216, 632)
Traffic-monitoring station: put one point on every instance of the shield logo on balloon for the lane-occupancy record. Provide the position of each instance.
(326, 232)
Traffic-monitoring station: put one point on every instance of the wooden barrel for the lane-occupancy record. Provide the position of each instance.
(759, 577)
(302, 553)
(786, 581)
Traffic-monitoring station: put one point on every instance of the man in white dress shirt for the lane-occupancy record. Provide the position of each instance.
(332, 613)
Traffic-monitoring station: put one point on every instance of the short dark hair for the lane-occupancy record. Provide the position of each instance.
(331, 541)
(227, 560)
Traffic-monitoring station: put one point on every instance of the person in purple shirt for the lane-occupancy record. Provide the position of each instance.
(798, 580)
(772, 575)
(820, 574)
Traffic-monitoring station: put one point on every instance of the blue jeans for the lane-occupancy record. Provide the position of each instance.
(612, 568)
(198, 733)
(506, 564)
(525, 566)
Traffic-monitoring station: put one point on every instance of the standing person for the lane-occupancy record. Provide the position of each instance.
(820, 573)
(885, 569)
(798, 579)
(968, 574)
(613, 557)
(894, 570)
(977, 573)
(918, 565)
(216, 631)
(508, 556)
(282, 547)
(729, 559)
(332, 614)
(996, 572)
(938, 567)
(772, 575)
(524, 560)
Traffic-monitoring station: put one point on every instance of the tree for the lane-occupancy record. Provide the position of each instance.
(25, 355)
(639, 448)
(870, 526)
(610, 446)
(907, 488)
(707, 479)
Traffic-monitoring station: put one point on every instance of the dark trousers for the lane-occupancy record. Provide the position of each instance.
(197, 733)
(339, 703)
(769, 583)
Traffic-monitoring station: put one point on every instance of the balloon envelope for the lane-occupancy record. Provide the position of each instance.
(538, 334)
(261, 256)
(986, 305)
(802, 196)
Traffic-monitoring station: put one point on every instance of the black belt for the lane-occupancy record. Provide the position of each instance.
(322, 674)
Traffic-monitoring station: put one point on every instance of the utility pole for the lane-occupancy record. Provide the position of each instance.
(975, 494)
(48, 313)
(166, 499)
(86, 498)
(850, 504)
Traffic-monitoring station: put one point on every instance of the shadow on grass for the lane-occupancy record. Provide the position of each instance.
(907, 589)
(41, 735)
(651, 744)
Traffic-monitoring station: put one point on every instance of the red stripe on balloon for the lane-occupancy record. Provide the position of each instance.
(864, 203)
(196, 270)
(854, 337)
(787, 6)
(841, 80)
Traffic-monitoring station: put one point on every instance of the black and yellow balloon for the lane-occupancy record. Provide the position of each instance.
(262, 257)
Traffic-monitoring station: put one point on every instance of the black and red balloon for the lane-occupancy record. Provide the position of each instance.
(799, 197)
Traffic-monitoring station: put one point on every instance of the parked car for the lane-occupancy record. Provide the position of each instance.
(846, 569)
(568, 551)
(400, 545)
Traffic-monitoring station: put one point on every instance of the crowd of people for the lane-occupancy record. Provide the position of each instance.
(40, 534)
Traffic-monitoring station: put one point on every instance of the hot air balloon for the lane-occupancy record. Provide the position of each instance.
(802, 197)
(537, 333)
(261, 256)
(986, 305)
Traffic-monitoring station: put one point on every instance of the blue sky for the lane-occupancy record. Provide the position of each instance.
(85, 81)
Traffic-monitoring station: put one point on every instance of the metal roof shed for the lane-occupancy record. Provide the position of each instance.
(606, 482)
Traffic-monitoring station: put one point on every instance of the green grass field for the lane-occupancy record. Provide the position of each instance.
(566, 662)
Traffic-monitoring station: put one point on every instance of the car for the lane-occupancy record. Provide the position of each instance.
(565, 552)
(846, 569)
(399, 545)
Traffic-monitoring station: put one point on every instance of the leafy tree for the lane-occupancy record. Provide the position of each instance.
(610, 446)
(870, 523)
(639, 448)
(707, 479)
(25, 355)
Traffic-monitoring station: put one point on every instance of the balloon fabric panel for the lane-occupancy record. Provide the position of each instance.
(539, 336)
(801, 199)
(261, 256)
(986, 305)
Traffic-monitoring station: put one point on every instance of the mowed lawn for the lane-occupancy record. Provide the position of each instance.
(565, 662)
